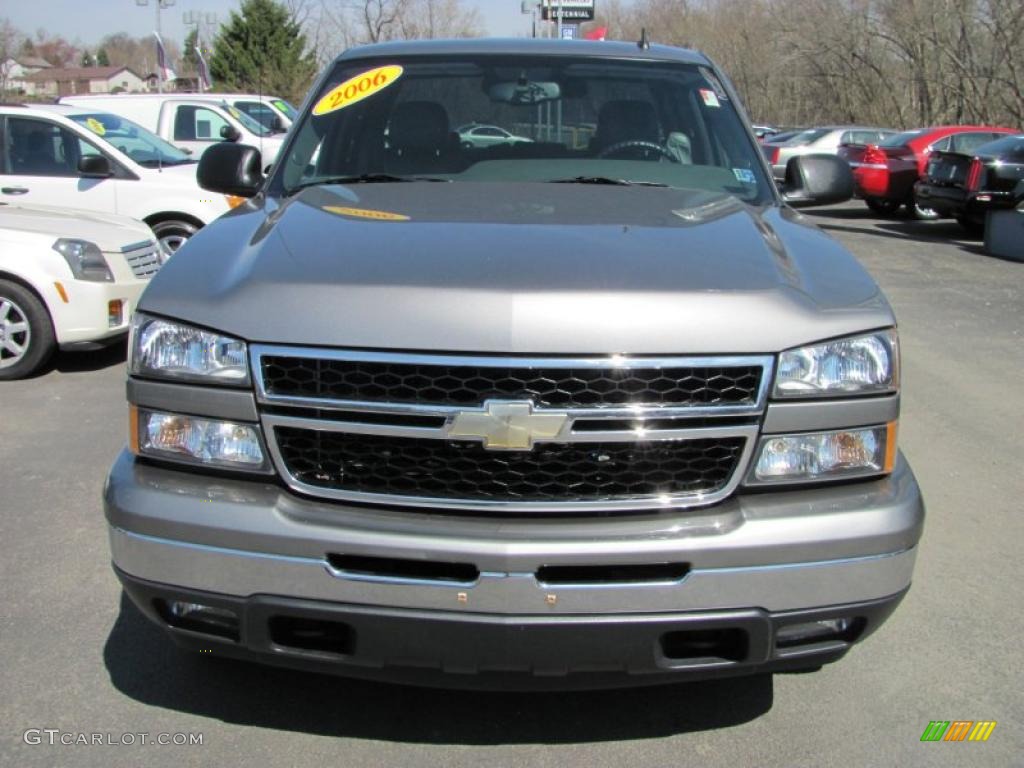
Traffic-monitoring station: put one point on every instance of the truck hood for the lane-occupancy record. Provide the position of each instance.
(109, 231)
(531, 268)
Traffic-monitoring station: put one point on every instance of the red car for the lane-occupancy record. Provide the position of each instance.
(884, 174)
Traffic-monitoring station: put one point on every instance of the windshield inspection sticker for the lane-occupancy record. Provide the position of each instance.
(95, 126)
(745, 175)
(357, 88)
(364, 213)
(710, 99)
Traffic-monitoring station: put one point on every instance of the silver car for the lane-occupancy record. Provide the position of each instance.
(474, 135)
(581, 415)
(821, 140)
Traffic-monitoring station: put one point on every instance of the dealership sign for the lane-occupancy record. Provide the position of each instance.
(571, 10)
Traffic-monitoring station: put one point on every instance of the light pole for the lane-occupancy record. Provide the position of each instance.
(529, 7)
(197, 20)
(161, 5)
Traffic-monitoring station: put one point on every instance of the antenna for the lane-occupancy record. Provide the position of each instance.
(643, 44)
(259, 91)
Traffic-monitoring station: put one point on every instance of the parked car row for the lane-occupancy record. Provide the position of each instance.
(885, 173)
(96, 193)
(958, 171)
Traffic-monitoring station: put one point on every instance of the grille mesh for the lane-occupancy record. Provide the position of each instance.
(144, 262)
(434, 468)
(471, 385)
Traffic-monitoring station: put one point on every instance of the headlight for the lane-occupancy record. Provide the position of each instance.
(855, 366)
(825, 455)
(196, 440)
(166, 349)
(85, 259)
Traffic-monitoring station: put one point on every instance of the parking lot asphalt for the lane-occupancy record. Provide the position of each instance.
(77, 657)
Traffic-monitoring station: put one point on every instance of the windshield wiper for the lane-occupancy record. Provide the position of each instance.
(606, 180)
(158, 163)
(362, 178)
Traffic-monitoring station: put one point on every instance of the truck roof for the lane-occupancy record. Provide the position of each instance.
(526, 45)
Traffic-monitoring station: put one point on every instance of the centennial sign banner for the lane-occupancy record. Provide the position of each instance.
(572, 11)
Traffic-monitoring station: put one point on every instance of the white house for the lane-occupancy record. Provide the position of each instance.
(13, 72)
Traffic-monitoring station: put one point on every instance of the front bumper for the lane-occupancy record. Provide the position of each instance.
(752, 561)
(82, 322)
(528, 652)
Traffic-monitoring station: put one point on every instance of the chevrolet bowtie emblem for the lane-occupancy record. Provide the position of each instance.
(510, 425)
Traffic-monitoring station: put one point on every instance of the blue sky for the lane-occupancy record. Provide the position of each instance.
(87, 21)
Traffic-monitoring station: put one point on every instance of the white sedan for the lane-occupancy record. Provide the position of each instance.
(478, 135)
(68, 278)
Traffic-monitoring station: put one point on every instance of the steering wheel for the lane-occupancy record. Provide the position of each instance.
(637, 144)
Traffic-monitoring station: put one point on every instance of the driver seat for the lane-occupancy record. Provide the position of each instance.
(625, 120)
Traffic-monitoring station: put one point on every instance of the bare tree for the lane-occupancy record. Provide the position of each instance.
(356, 22)
(9, 37)
(903, 63)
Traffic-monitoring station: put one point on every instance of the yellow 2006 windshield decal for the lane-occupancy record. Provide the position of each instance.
(95, 126)
(357, 88)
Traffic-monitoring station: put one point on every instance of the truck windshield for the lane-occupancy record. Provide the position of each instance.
(145, 148)
(252, 125)
(490, 118)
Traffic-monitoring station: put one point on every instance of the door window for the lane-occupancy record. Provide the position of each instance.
(197, 124)
(40, 148)
(968, 142)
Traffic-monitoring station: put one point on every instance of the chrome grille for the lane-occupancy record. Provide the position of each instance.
(144, 259)
(390, 428)
(544, 385)
(458, 469)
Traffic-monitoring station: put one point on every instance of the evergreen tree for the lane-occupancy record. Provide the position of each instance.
(102, 60)
(262, 45)
(87, 60)
(189, 61)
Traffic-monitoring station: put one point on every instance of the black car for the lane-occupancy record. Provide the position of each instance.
(967, 186)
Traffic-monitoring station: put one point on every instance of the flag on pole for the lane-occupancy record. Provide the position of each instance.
(203, 71)
(166, 73)
(596, 34)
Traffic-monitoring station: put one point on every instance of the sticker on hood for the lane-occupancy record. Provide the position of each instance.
(357, 88)
(365, 213)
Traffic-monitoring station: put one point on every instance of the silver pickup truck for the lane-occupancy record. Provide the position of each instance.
(599, 408)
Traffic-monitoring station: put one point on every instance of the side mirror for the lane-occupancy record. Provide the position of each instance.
(817, 180)
(94, 167)
(277, 125)
(231, 169)
(230, 133)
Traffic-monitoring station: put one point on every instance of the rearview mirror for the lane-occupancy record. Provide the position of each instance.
(231, 169)
(524, 92)
(230, 133)
(94, 167)
(817, 180)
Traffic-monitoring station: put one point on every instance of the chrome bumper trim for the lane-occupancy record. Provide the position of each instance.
(781, 587)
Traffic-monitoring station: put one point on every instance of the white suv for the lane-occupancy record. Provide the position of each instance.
(68, 278)
(77, 157)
